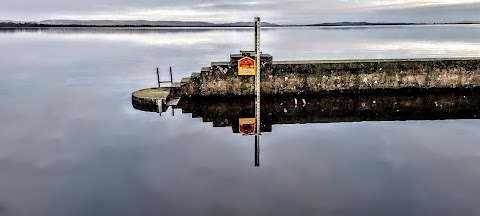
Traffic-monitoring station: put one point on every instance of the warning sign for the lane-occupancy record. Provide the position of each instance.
(246, 66)
(247, 126)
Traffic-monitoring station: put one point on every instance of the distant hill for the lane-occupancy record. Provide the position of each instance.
(9, 21)
(131, 23)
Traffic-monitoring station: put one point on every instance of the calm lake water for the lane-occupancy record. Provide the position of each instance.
(72, 144)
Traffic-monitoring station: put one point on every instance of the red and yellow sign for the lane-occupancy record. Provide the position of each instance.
(246, 66)
(247, 126)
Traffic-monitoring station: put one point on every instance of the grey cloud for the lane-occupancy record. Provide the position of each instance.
(439, 13)
(433, 13)
(76, 5)
(281, 11)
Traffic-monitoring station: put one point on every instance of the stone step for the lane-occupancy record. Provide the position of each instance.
(195, 74)
(206, 70)
(176, 85)
(185, 80)
(222, 63)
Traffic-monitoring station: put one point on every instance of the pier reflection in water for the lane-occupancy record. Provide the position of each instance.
(227, 112)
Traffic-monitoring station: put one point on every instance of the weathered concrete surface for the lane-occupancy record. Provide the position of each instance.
(341, 76)
(150, 97)
(366, 76)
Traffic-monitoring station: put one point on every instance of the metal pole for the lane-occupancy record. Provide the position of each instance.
(257, 90)
(158, 79)
(257, 75)
(171, 76)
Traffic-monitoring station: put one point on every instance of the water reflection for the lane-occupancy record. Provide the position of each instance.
(287, 44)
(226, 112)
(239, 113)
(72, 144)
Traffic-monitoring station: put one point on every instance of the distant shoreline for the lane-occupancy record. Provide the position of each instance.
(35, 25)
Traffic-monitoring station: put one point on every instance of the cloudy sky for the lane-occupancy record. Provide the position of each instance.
(218, 11)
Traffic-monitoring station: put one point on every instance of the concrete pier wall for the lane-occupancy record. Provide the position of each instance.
(330, 77)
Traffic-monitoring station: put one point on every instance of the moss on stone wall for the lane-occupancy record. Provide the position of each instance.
(333, 76)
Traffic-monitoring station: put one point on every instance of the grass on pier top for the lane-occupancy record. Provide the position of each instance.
(369, 60)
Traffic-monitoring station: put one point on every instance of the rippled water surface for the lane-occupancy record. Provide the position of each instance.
(72, 144)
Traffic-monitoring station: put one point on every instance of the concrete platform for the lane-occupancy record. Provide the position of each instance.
(151, 96)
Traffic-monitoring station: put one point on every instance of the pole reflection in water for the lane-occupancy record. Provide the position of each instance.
(258, 127)
(257, 150)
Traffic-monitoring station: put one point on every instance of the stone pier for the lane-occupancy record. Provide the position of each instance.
(324, 77)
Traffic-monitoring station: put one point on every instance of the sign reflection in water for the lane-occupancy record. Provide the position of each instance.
(247, 126)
